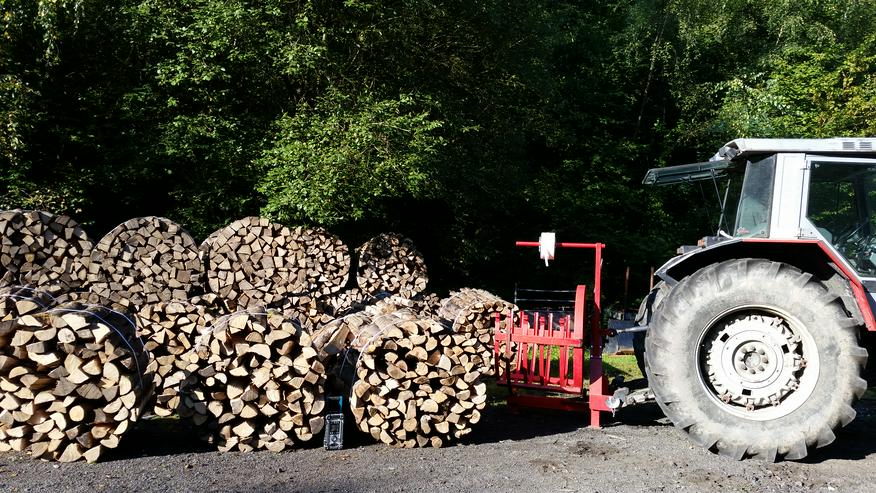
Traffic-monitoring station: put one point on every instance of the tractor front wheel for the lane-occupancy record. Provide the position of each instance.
(754, 358)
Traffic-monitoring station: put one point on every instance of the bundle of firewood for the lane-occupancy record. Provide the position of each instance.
(73, 379)
(42, 250)
(415, 386)
(391, 263)
(145, 260)
(254, 382)
(169, 329)
(254, 262)
(476, 312)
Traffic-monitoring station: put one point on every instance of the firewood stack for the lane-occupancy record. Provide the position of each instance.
(73, 380)
(254, 262)
(391, 263)
(474, 311)
(169, 329)
(43, 250)
(415, 386)
(145, 260)
(255, 382)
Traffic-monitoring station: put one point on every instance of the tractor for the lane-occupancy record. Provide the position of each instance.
(754, 341)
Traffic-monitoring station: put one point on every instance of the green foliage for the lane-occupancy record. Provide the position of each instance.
(334, 161)
(465, 124)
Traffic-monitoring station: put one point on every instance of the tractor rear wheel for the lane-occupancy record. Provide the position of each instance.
(754, 358)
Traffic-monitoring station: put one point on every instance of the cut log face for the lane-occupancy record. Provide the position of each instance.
(169, 330)
(42, 250)
(390, 263)
(474, 312)
(254, 262)
(254, 381)
(406, 395)
(145, 260)
(80, 377)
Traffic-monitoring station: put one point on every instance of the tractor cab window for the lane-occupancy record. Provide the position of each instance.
(842, 206)
(753, 213)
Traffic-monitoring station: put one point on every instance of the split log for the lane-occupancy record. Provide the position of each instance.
(43, 250)
(415, 386)
(474, 312)
(17, 301)
(391, 263)
(254, 262)
(145, 260)
(169, 330)
(74, 379)
(254, 382)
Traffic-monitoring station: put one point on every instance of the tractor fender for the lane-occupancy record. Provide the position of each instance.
(811, 256)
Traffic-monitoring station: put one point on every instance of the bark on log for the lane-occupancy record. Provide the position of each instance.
(17, 301)
(391, 263)
(145, 260)
(336, 336)
(42, 250)
(254, 382)
(169, 330)
(74, 379)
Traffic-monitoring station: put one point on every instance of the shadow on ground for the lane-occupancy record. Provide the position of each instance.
(499, 422)
(854, 442)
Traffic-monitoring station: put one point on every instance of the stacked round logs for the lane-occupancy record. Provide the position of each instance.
(170, 329)
(42, 250)
(255, 382)
(253, 262)
(145, 260)
(390, 263)
(73, 380)
(415, 385)
(474, 311)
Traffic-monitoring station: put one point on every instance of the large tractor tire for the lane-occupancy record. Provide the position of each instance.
(754, 358)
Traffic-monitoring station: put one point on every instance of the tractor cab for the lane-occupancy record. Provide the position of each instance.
(792, 189)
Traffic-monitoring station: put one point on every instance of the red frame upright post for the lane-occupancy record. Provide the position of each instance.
(598, 388)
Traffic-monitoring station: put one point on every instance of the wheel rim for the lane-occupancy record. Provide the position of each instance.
(758, 363)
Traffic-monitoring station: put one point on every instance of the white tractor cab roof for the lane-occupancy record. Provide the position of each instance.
(743, 148)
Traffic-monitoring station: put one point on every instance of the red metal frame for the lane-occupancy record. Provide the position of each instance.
(537, 339)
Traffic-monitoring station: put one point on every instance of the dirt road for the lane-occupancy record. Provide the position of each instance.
(531, 451)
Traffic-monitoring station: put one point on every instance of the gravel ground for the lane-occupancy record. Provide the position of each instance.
(526, 451)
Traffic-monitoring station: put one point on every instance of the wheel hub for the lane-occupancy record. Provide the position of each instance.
(753, 361)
